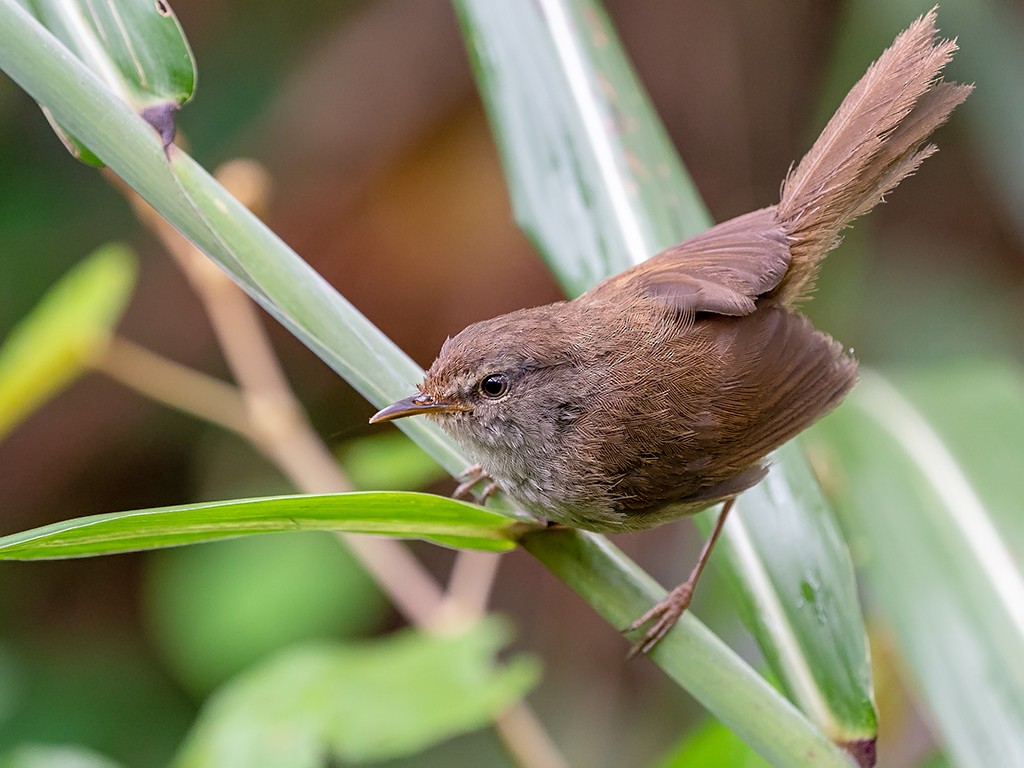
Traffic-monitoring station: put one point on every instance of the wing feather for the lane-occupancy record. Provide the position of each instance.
(722, 270)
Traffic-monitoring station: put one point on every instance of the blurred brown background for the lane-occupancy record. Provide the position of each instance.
(387, 181)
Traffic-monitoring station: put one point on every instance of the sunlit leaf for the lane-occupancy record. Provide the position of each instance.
(593, 176)
(927, 476)
(713, 744)
(54, 343)
(407, 515)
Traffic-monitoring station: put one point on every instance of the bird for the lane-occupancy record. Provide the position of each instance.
(662, 390)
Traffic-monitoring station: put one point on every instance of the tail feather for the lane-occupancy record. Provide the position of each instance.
(873, 142)
(902, 152)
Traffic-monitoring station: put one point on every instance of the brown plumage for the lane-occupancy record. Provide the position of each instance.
(661, 390)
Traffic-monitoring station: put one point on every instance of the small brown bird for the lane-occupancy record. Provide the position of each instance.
(660, 391)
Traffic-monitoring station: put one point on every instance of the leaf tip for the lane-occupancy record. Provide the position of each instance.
(161, 117)
(862, 751)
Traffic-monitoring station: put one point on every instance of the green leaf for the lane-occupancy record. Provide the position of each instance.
(39, 756)
(358, 704)
(53, 345)
(136, 47)
(594, 180)
(798, 597)
(713, 745)
(408, 515)
(599, 187)
(927, 478)
(191, 200)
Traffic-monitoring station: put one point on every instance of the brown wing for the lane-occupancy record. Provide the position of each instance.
(722, 270)
(760, 380)
(779, 375)
(876, 138)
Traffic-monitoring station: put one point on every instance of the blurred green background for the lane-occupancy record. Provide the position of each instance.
(386, 180)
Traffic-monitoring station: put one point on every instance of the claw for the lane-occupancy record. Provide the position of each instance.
(664, 616)
(469, 477)
(473, 470)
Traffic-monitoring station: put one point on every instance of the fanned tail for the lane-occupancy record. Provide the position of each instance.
(873, 142)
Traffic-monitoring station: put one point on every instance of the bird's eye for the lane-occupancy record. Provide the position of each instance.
(494, 386)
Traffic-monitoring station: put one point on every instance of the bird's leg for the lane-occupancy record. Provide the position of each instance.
(665, 614)
(469, 477)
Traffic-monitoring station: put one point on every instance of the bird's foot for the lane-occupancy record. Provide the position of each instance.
(661, 618)
(469, 477)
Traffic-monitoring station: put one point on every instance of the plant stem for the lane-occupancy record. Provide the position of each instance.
(174, 385)
(265, 411)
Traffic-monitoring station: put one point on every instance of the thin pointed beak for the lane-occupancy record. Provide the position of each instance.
(413, 406)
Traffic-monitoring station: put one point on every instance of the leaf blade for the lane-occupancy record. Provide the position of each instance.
(393, 513)
(53, 344)
(594, 200)
(951, 595)
(798, 600)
